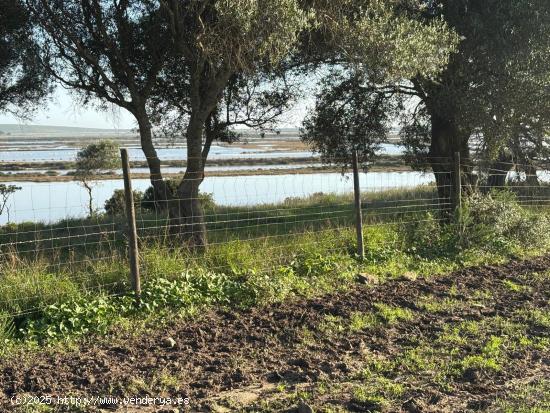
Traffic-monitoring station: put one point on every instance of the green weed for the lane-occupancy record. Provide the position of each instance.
(361, 321)
(278, 257)
(391, 314)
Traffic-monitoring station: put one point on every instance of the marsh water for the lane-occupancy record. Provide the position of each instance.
(217, 152)
(53, 201)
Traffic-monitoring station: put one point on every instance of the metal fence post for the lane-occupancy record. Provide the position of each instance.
(132, 230)
(457, 187)
(358, 212)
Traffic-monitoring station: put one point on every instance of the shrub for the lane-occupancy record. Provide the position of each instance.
(149, 202)
(497, 220)
(207, 201)
(116, 204)
(424, 235)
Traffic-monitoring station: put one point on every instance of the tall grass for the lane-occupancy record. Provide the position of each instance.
(256, 256)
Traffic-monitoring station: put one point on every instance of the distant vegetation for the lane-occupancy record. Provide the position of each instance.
(23, 129)
(91, 161)
(6, 191)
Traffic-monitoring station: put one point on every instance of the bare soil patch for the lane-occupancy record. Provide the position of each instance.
(377, 347)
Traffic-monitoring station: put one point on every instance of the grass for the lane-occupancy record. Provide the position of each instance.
(391, 314)
(525, 395)
(55, 287)
(393, 354)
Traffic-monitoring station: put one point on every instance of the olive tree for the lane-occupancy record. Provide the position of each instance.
(255, 101)
(520, 138)
(218, 40)
(23, 82)
(108, 52)
(128, 53)
(491, 86)
(92, 161)
(123, 51)
(372, 47)
(349, 115)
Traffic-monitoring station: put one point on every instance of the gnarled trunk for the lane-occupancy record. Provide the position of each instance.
(162, 192)
(446, 140)
(184, 207)
(498, 171)
(186, 213)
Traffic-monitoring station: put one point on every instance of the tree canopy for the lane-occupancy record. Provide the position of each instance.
(349, 115)
(498, 78)
(215, 64)
(91, 161)
(94, 158)
(23, 82)
(386, 36)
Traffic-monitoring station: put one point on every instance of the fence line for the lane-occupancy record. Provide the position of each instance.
(279, 213)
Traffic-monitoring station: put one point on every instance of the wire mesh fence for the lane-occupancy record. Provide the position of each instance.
(52, 248)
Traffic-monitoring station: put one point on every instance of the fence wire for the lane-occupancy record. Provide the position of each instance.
(52, 246)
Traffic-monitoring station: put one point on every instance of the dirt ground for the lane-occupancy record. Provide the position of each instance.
(474, 340)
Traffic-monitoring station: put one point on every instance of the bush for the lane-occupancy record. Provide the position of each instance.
(116, 204)
(207, 201)
(493, 222)
(149, 202)
(425, 236)
(498, 220)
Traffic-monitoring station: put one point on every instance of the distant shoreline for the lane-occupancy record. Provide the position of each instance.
(50, 171)
(251, 172)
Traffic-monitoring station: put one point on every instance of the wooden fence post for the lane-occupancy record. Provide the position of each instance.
(457, 187)
(358, 212)
(132, 230)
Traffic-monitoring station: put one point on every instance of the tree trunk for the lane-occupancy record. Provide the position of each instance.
(531, 177)
(90, 198)
(211, 131)
(498, 171)
(162, 191)
(446, 140)
(186, 211)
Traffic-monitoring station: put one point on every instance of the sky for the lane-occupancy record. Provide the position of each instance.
(63, 110)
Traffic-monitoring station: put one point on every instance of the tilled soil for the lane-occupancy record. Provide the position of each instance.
(266, 359)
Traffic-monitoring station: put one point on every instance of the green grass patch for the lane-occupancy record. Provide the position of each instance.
(530, 397)
(257, 257)
(433, 304)
(392, 314)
